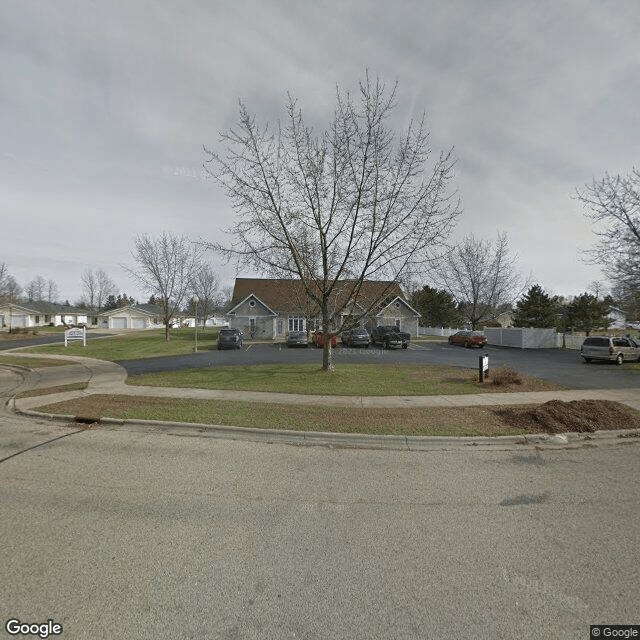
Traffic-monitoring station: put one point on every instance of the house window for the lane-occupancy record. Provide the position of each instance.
(37, 319)
(398, 322)
(252, 326)
(296, 323)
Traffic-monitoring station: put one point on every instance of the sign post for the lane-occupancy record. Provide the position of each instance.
(77, 333)
(483, 367)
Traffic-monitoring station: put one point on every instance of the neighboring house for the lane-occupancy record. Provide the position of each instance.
(40, 314)
(505, 318)
(617, 317)
(270, 308)
(135, 316)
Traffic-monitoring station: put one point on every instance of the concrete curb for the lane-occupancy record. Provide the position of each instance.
(350, 440)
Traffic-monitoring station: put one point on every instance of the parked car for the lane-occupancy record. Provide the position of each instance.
(318, 339)
(230, 339)
(468, 338)
(297, 339)
(610, 348)
(355, 338)
(390, 336)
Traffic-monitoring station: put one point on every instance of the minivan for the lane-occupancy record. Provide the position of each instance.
(610, 348)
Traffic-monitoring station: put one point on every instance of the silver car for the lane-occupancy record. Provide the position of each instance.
(610, 348)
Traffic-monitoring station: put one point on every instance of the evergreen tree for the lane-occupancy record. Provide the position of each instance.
(586, 313)
(437, 308)
(535, 309)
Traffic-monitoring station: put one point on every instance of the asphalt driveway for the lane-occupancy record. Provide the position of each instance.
(557, 365)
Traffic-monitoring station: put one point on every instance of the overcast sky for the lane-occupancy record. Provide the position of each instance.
(105, 106)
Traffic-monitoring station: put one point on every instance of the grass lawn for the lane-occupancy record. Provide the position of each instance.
(346, 380)
(33, 363)
(438, 421)
(143, 344)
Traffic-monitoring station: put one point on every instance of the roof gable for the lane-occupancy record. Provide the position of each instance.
(399, 302)
(140, 309)
(251, 297)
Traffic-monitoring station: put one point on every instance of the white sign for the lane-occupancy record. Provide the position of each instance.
(79, 333)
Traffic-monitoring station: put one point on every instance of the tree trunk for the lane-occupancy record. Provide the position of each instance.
(327, 355)
(167, 335)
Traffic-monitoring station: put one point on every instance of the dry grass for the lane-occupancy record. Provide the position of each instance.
(439, 421)
(550, 417)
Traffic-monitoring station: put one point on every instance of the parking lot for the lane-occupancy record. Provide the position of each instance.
(557, 365)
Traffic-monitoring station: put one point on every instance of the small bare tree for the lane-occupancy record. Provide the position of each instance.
(356, 202)
(36, 290)
(97, 286)
(481, 276)
(166, 266)
(613, 203)
(204, 286)
(52, 291)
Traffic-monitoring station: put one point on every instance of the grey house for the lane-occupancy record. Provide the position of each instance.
(270, 308)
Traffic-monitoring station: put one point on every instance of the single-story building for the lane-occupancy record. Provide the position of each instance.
(270, 308)
(40, 314)
(135, 316)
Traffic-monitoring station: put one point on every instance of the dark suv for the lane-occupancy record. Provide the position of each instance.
(230, 339)
(355, 338)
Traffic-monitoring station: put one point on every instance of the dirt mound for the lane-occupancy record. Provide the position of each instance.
(581, 416)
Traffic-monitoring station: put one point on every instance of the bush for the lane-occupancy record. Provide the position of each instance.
(505, 375)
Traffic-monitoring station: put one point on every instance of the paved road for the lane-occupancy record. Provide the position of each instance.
(561, 366)
(143, 534)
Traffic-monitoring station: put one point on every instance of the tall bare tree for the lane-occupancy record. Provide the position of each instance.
(481, 276)
(613, 203)
(166, 266)
(97, 286)
(355, 202)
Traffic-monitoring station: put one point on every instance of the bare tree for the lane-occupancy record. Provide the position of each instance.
(613, 203)
(204, 286)
(354, 203)
(97, 286)
(12, 290)
(52, 291)
(36, 290)
(165, 268)
(481, 276)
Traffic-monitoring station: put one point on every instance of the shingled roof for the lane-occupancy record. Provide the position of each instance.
(288, 295)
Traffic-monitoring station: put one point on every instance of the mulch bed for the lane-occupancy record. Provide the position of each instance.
(582, 416)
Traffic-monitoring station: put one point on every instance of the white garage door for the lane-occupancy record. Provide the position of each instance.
(18, 321)
(138, 323)
(119, 323)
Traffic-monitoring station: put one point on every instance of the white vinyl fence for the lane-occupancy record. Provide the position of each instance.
(437, 331)
(532, 338)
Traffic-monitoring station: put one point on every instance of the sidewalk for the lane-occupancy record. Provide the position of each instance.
(105, 377)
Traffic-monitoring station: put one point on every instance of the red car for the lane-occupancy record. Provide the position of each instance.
(318, 339)
(468, 339)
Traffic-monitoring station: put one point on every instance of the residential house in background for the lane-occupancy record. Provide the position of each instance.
(135, 316)
(270, 308)
(617, 317)
(40, 314)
